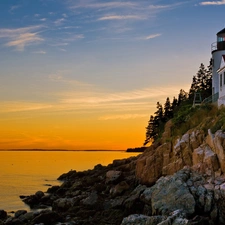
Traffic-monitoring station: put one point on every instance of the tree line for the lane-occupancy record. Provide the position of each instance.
(201, 84)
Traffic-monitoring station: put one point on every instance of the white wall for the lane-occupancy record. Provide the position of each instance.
(216, 56)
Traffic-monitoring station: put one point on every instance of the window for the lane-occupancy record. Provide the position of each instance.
(220, 39)
(221, 80)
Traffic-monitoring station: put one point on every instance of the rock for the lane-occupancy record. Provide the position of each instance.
(119, 188)
(149, 165)
(217, 144)
(113, 176)
(47, 217)
(62, 204)
(133, 200)
(53, 189)
(135, 219)
(3, 214)
(27, 217)
(154, 220)
(20, 212)
(91, 200)
(13, 221)
(169, 194)
(39, 194)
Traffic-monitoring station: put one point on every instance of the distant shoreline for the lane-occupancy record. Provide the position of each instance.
(59, 150)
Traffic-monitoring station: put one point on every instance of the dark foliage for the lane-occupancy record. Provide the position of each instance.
(201, 84)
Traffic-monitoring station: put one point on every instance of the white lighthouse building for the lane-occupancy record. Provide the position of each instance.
(218, 69)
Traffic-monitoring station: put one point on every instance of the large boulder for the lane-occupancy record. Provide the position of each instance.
(47, 217)
(169, 194)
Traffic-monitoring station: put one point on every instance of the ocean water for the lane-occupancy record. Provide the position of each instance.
(25, 172)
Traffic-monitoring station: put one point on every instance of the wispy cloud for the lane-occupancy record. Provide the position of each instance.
(213, 3)
(98, 98)
(152, 36)
(91, 4)
(21, 37)
(86, 98)
(160, 6)
(14, 7)
(59, 21)
(19, 106)
(74, 37)
(123, 116)
(121, 17)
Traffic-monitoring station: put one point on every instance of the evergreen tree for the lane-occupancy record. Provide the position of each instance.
(209, 79)
(182, 97)
(159, 114)
(193, 89)
(174, 103)
(154, 125)
(167, 110)
(202, 82)
(150, 133)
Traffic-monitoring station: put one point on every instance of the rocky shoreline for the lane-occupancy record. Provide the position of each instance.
(169, 184)
(112, 195)
(90, 197)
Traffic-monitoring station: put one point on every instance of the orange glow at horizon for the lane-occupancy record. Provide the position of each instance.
(69, 131)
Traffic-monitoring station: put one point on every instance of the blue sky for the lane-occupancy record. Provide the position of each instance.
(98, 61)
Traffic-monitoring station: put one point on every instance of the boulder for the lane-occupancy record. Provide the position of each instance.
(135, 219)
(113, 176)
(62, 204)
(119, 188)
(19, 213)
(47, 217)
(3, 214)
(169, 194)
(91, 200)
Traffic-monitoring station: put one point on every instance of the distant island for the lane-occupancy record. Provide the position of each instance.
(137, 149)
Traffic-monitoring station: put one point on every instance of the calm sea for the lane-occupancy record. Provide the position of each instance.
(25, 172)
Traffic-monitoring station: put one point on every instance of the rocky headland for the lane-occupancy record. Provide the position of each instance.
(173, 182)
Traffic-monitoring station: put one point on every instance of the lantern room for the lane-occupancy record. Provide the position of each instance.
(221, 40)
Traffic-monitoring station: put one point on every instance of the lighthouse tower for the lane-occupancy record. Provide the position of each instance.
(218, 53)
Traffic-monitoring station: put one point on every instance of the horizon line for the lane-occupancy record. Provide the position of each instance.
(60, 150)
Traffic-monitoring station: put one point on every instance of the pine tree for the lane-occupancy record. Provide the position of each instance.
(159, 113)
(209, 79)
(174, 103)
(150, 134)
(167, 110)
(182, 97)
(193, 89)
(201, 78)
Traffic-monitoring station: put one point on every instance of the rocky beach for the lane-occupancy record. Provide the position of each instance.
(170, 183)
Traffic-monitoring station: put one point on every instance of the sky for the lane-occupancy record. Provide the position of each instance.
(87, 74)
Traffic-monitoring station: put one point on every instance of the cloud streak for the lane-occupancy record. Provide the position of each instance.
(97, 5)
(123, 116)
(152, 36)
(88, 98)
(213, 3)
(100, 97)
(121, 17)
(21, 37)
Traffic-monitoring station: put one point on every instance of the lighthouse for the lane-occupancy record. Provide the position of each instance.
(218, 68)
